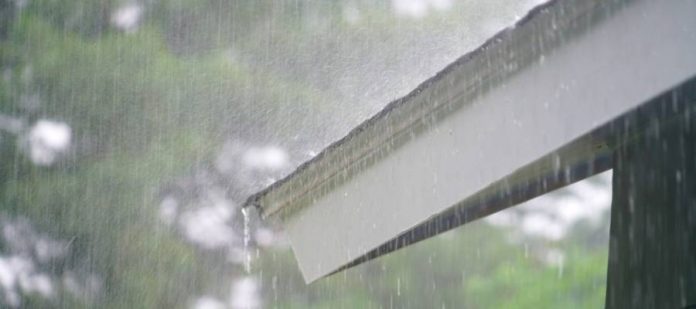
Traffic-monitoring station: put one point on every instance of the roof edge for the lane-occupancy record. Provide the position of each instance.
(358, 149)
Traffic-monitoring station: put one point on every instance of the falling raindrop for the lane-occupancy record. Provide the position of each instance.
(247, 238)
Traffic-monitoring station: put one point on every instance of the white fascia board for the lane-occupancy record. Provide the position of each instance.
(521, 107)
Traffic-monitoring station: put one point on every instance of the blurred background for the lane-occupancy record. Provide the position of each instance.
(131, 131)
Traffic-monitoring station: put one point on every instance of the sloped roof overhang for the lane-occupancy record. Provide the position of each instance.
(529, 111)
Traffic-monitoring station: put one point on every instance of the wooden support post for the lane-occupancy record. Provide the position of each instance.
(652, 255)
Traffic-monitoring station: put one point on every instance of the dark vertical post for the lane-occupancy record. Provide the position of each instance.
(652, 255)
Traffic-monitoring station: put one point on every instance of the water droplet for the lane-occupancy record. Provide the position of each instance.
(247, 237)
